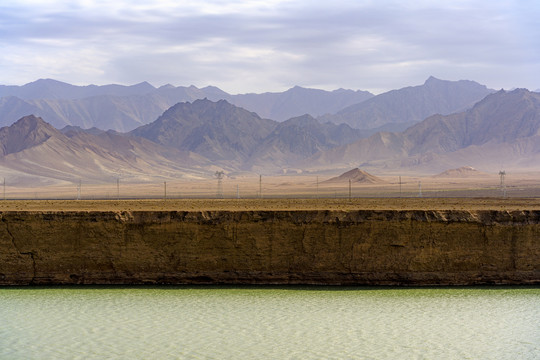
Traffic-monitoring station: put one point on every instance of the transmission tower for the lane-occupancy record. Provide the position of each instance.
(502, 174)
(219, 176)
(79, 185)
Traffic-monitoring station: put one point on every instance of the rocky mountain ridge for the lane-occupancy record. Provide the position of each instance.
(32, 148)
(503, 127)
(412, 104)
(123, 108)
(235, 137)
(196, 139)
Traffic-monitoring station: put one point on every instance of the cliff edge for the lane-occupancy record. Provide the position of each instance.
(362, 247)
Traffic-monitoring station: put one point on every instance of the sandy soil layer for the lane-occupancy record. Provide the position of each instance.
(501, 204)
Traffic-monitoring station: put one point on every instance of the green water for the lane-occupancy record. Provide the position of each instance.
(269, 323)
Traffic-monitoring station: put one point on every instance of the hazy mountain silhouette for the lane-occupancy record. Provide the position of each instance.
(462, 172)
(53, 89)
(123, 108)
(412, 104)
(299, 138)
(297, 101)
(503, 127)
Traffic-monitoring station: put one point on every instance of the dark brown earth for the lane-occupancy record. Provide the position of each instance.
(363, 242)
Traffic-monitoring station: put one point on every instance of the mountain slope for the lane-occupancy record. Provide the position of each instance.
(33, 147)
(53, 89)
(219, 130)
(28, 132)
(412, 104)
(500, 117)
(298, 138)
(462, 172)
(503, 120)
(123, 108)
(298, 101)
(355, 176)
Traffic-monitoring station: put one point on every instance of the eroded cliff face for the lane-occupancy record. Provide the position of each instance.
(271, 247)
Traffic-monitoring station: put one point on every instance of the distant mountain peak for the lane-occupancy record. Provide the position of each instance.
(412, 104)
(432, 79)
(46, 81)
(30, 121)
(302, 120)
(25, 133)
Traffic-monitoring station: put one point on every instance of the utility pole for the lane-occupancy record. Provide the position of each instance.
(4, 188)
(419, 189)
(317, 187)
(79, 185)
(260, 186)
(400, 186)
(350, 190)
(164, 190)
(117, 188)
(237, 192)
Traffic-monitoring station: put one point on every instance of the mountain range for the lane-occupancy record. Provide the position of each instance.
(238, 139)
(33, 151)
(195, 139)
(124, 108)
(399, 109)
(502, 130)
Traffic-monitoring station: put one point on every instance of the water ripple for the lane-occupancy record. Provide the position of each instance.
(288, 323)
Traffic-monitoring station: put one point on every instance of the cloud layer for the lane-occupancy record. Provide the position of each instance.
(255, 46)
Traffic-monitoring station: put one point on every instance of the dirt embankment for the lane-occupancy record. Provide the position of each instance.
(370, 247)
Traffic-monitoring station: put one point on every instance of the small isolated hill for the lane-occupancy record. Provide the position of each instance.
(356, 176)
(462, 172)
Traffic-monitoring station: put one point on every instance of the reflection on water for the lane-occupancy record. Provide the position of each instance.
(269, 323)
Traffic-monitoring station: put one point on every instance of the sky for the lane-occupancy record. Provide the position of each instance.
(271, 45)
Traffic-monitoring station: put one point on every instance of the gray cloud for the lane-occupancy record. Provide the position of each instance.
(252, 46)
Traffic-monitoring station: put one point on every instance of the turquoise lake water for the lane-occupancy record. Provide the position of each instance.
(269, 323)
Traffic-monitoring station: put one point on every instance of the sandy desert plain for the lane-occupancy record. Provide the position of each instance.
(286, 192)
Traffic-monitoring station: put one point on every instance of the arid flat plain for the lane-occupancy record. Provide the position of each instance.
(506, 204)
(299, 192)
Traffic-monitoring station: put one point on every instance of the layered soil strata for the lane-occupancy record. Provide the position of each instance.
(338, 247)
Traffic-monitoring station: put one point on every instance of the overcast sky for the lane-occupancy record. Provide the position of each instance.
(271, 45)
